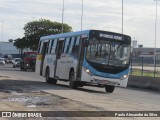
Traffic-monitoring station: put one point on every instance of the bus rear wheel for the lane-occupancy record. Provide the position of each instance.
(109, 88)
(72, 83)
(48, 79)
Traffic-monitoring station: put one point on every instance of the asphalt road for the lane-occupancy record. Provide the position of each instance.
(61, 97)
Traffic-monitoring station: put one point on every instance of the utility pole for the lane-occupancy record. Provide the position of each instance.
(2, 31)
(122, 16)
(155, 39)
(2, 37)
(82, 16)
(62, 15)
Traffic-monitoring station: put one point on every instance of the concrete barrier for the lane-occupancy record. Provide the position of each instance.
(144, 82)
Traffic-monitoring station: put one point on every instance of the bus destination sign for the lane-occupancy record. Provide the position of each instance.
(116, 37)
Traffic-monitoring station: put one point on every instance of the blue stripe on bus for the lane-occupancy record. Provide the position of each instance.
(101, 74)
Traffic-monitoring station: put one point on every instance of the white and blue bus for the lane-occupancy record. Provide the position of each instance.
(90, 57)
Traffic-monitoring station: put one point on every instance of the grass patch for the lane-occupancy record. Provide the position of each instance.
(144, 73)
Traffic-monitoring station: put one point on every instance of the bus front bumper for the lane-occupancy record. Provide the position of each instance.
(102, 81)
(96, 80)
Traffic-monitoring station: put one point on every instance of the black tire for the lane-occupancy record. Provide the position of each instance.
(48, 79)
(13, 66)
(33, 69)
(79, 84)
(21, 68)
(109, 88)
(72, 83)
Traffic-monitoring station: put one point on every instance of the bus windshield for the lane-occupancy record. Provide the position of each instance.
(108, 53)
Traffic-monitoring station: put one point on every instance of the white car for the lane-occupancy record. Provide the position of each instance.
(2, 61)
(16, 62)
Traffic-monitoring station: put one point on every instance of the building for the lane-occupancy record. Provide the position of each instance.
(7, 48)
(147, 55)
(146, 52)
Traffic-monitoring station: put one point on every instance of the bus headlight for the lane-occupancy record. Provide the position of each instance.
(89, 72)
(124, 77)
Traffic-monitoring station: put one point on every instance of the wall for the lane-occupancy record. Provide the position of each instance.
(144, 82)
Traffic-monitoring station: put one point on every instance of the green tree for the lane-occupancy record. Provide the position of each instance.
(21, 44)
(36, 29)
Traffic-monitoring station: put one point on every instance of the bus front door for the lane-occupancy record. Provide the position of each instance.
(44, 50)
(59, 51)
(81, 57)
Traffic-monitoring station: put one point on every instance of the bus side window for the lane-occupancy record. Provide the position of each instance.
(54, 46)
(51, 46)
(39, 47)
(44, 48)
(71, 45)
(59, 51)
(47, 47)
(75, 49)
(63, 46)
(67, 44)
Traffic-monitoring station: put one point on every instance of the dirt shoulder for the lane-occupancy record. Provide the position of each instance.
(17, 95)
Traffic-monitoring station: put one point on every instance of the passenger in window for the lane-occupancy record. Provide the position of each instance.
(96, 54)
(106, 54)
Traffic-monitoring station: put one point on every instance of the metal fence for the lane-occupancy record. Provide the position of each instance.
(145, 66)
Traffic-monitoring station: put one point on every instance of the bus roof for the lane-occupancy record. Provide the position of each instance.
(64, 35)
(74, 34)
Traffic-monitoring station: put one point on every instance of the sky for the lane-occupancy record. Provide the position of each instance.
(139, 17)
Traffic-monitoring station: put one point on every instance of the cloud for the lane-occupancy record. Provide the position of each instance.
(139, 16)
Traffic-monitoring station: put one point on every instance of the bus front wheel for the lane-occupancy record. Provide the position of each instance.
(72, 83)
(109, 88)
(48, 79)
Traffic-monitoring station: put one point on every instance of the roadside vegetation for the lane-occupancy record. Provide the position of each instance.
(146, 73)
(36, 29)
